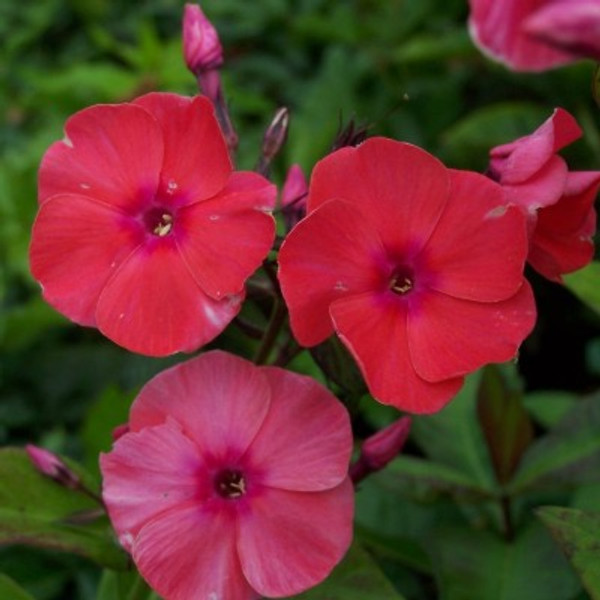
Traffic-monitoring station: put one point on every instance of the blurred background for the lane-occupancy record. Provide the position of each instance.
(405, 68)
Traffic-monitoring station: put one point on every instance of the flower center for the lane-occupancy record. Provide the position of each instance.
(230, 484)
(402, 282)
(159, 221)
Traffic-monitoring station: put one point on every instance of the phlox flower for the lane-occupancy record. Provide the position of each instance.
(143, 229)
(558, 203)
(535, 35)
(232, 481)
(416, 267)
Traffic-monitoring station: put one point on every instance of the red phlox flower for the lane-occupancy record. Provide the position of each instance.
(559, 204)
(417, 268)
(535, 35)
(143, 229)
(232, 482)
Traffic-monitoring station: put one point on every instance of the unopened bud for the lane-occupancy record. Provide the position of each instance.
(350, 135)
(293, 196)
(202, 48)
(52, 466)
(119, 431)
(276, 133)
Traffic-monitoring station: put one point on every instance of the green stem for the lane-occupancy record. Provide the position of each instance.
(276, 322)
(139, 590)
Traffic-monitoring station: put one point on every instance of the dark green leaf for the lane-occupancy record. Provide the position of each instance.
(505, 423)
(578, 534)
(585, 284)
(11, 590)
(357, 577)
(37, 511)
(549, 406)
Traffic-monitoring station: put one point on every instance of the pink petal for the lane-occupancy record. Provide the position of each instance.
(479, 247)
(77, 244)
(112, 153)
(188, 553)
(497, 28)
(224, 240)
(332, 253)
(570, 26)
(311, 457)
(196, 163)
(448, 337)
(373, 327)
(290, 541)
(147, 473)
(562, 241)
(542, 189)
(401, 187)
(153, 306)
(231, 390)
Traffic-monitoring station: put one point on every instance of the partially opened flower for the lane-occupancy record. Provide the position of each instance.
(417, 268)
(559, 204)
(143, 230)
(535, 35)
(232, 482)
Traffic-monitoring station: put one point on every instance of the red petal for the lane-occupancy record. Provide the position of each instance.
(224, 240)
(196, 162)
(323, 441)
(402, 188)
(373, 327)
(77, 244)
(479, 247)
(188, 553)
(333, 252)
(448, 337)
(562, 241)
(290, 541)
(147, 473)
(153, 306)
(113, 153)
(231, 390)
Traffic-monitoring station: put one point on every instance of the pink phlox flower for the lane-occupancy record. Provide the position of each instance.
(559, 204)
(232, 482)
(417, 268)
(143, 229)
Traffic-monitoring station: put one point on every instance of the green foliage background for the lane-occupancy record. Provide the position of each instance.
(408, 69)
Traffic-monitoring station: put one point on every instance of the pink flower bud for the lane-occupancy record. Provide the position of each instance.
(52, 466)
(119, 430)
(295, 188)
(202, 49)
(382, 447)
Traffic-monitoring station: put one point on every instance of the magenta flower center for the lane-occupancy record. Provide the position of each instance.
(401, 282)
(230, 484)
(159, 221)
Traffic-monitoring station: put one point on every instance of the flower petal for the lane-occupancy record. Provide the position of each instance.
(153, 306)
(448, 337)
(290, 541)
(333, 252)
(77, 244)
(562, 240)
(148, 473)
(196, 163)
(190, 553)
(479, 247)
(401, 187)
(310, 457)
(224, 240)
(373, 327)
(231, 390)
(113, 153)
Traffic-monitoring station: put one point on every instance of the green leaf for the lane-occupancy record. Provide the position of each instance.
(585, 285)
(11, 590)
(569, 454)
(477, 565)
(357, 577)
(452, 437)
(37, 511)
(548, 407)
(578, 534)
(505, 423)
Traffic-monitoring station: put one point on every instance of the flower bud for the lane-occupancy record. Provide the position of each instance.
(295, 188)
(382, 447)
(202, 48)
(52, 466)
(276, 133)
